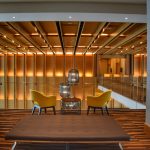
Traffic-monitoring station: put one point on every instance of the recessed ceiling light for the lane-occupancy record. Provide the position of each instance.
(70, 17)
(126, 18)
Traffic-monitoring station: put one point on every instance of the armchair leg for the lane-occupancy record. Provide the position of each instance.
(94, 110)
(102, 110)
(33, 109)
(88, 110)
(54, 110)
(40, 109)
(107, 110)
(45, 110)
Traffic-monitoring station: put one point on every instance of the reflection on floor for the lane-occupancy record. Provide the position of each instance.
(132, 121)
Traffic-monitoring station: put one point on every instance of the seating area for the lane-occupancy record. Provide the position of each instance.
(100, 101)
(74, 75)
(41, 101)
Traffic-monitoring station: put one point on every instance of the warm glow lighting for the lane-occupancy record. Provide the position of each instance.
(104, 34)
(107, 75)
(44, 46)
(39, 74)
(59, 53)
(70, 34)
(49, 74)
(79, 53)
(10, 74)
(17, 34)
(80, 74)
(29, 53)
(82, 46)
(88, 53)
(1, 96)
(88, 74)
(29, 74)
(31, 46)
(86, 34)
(59, 74)
(94, 46)
(20, 97)
(1, 73)
(116, 75)
(69, 53)
(49, 53)
(19, 74)
(35, 34)
(39, 53)
(52, 34)
(57, 46)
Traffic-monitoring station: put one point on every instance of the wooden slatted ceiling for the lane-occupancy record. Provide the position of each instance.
(96, 37)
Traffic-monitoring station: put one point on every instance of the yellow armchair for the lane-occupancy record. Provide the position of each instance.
(41, 101)
(99, 101)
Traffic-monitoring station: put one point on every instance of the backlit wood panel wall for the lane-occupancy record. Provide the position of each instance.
(19, 73)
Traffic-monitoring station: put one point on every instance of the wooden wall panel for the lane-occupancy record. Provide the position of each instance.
(89, 65)
(24, 72)
(59, 66)
(2, 97)
(69, 64)
(19, 90)
(79, 64)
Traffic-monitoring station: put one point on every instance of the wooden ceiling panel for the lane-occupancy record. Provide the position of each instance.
(70, 50)
(100, 40)
(84, 40)
(111, 28)
(69, 40)
(81, 50)
(57, 49)
(54, 40)
(134, 29)
(39, 40)
(5, 29)
(22, 40)
(49, 27)
(28, 27)
(90, 27)
(69, 27)
(120, 38)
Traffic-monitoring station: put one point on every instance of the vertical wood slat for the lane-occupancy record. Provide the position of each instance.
(24, 77)
(5, 82)
(15, 67)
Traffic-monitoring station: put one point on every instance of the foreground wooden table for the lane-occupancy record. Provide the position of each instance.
(67, 129)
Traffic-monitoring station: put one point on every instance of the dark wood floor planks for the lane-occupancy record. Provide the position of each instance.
(132, 121)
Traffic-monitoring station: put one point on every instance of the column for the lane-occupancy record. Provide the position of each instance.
(147, 122)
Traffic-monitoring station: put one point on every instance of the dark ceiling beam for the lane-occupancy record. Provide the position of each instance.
(97, 34)
(117, 33)
(80, 28)
(41, 31)
(22, 32)
(60, 35)
(127, 39)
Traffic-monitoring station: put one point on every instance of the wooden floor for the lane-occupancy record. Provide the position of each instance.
(132, 121)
